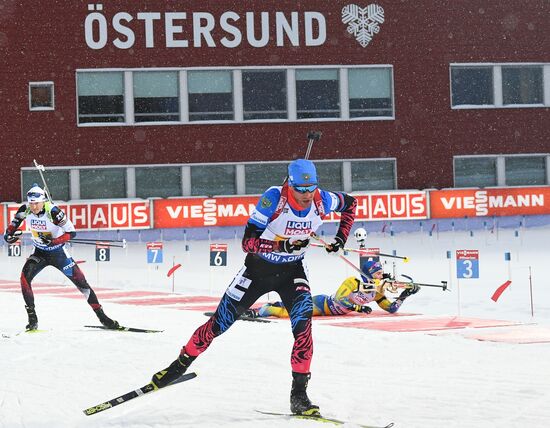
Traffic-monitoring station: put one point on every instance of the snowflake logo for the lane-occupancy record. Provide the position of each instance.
(363, 22)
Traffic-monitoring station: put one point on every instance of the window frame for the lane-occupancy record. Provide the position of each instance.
(238, 109)
(51, 86)
(500, 170)
(186, 190)
(497, 85)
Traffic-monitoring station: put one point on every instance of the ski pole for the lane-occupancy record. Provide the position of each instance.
(344, 258)
(41, 168)
(366, 252)
(107, 244)
(115, 241)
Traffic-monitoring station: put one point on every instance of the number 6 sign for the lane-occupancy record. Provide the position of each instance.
(218, 254)
(467, 264)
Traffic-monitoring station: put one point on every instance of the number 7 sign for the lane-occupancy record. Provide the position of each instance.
(467, 264)
(154, 252)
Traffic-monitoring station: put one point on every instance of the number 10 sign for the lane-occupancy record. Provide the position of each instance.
(467, 264)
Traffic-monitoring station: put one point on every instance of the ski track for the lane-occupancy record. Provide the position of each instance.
(415, 379)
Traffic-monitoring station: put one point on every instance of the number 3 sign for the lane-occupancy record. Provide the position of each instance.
(467, 264)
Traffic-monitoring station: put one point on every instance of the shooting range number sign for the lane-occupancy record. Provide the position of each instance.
(218, 254)
(102, 253)
(14, 250)
(154, 252)
(467, 264)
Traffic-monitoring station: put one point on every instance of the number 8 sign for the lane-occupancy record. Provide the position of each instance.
(102, 253)
(467, 264)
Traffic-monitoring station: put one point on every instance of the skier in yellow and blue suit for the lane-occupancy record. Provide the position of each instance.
(353, 295)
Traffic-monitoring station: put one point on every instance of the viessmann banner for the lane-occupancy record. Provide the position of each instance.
(489, 202)
(235, 211)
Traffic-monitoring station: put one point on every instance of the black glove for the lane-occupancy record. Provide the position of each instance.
(335, 246)
(46, 240)
(409, 291)
(363, 309)
(9, 238)
(289, 247)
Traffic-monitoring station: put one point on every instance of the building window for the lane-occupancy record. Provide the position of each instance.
(522, 85)
(330, 175)
(214, 95)
(210, 180)
(317, 94)
(259, 177)
(58, 183)
(525, 171)
(100, 97)
(210, 95)
(264, 94)
(475, 172)
(158, 182)
(472, 86)
(103, 183)
(156, 96)
(41, 96)
(370, 92)
(373, 175)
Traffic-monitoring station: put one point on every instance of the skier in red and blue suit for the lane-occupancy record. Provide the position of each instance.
(275, 240)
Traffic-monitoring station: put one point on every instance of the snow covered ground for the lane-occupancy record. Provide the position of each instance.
(425, 378)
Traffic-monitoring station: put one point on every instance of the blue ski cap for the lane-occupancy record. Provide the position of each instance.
(302, 172)
(36, 194)
(369, 268)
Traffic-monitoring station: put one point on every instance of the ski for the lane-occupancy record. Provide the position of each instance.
(122, 328)
(320, 418)
(243, 318)
(150, 387)
(8, 336)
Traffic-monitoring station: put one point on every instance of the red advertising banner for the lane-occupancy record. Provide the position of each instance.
(200, 212)
(154, 245)
(235, 211)
(218, 247)
(405, 205)
(467, 254)
(103, 215)
(489, 202)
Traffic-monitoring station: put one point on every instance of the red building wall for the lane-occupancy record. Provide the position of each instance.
(46, 42)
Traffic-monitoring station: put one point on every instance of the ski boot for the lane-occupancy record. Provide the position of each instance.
(105, 320)
(173, 371)
(33, 319)
(300, 404)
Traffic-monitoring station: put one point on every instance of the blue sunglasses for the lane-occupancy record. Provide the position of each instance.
(304, 189)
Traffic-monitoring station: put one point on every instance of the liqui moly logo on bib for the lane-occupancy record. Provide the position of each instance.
(38, 224)
(298, 228)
